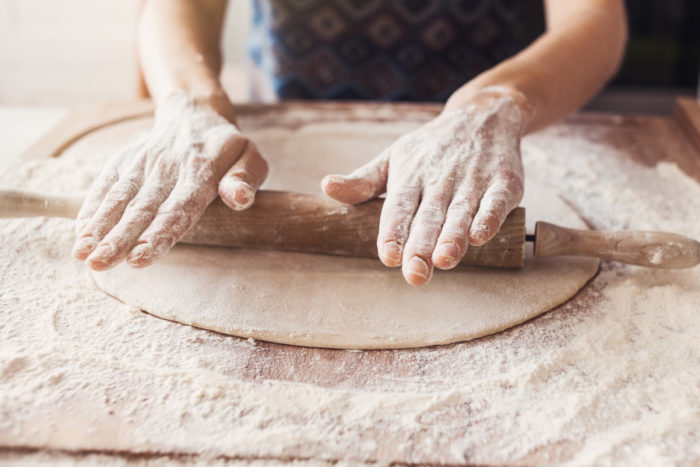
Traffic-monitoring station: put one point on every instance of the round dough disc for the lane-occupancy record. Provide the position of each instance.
(338, 302)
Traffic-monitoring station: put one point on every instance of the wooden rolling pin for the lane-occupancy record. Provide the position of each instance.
(316, 224)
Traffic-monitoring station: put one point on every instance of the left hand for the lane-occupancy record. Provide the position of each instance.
(448, 184)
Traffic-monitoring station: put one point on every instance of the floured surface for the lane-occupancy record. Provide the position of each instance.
(325, 301)
(611, 377)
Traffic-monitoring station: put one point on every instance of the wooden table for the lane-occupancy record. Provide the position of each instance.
(645, 139)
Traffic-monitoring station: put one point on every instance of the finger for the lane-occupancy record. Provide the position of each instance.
(365, 183)
(137, 216)
(500, 198)
(417, 265)
(394, 223)
(453, 241)
(107, 214)
(237, 188)
(104, 181)
(107, 177)
(176, 215)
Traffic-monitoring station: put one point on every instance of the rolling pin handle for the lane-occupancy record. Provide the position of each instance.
(651, 249)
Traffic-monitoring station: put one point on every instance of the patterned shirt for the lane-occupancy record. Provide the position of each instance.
(391, 50)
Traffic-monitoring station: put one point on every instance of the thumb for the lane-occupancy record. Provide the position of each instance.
(237, 188)
(365, 183)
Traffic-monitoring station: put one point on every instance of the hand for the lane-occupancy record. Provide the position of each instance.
(448, 184)
(154, 190)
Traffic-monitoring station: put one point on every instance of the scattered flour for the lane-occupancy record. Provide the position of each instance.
(614, 381)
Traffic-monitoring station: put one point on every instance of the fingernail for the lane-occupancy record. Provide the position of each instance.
(391, 252)
(449, 251)
(480, 232)
(328, 180)
(335, 178)
(138, 255)
(102, 252)
(418, 267)
(100, 259)
(84, 246)
(243, 195)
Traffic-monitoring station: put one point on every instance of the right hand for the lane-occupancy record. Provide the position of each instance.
(151, 192)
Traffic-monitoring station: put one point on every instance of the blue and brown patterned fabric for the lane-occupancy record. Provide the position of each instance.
(393, 50)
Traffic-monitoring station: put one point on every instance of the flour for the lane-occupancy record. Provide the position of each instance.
(616, 381)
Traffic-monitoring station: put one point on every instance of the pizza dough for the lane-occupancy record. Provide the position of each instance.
(338, 302)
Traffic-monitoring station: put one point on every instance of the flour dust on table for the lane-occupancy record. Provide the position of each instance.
(610, 377)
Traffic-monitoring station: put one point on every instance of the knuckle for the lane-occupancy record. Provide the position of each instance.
(200, 161)
(460, 238)
(225, 137)
(517, 193)
(87, 234)
(392, 230)
(497, 207)
(123, 189)
(178, 216)
(438, 191)
(141, 206)
(456, 228)
(512, 180)
(400, 204)
(193, 205)
(463, 206)
(516, 189)
(241, 174)
(421, 245)
(200, 173)
(164, 169)
(158, 234)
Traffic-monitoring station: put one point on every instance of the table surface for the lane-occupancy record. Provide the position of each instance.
(645, 139)
(674, 138)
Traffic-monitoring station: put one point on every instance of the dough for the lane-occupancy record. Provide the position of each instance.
(325, 301)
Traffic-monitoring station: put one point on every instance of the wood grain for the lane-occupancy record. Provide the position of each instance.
(651, 249)
(314, 224)
(85, 119)
(687, 116)
(290, 222)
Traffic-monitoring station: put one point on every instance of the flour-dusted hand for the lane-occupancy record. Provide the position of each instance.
(448, 184)
(154, 190)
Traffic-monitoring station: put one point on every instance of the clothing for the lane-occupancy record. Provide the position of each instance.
(394, 50)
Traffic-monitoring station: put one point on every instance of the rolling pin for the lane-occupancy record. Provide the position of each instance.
(316, 224)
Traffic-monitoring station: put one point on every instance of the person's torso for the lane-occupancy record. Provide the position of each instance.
(412, 50)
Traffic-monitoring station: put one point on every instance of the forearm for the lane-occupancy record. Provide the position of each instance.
(179, 50)
(564, 68)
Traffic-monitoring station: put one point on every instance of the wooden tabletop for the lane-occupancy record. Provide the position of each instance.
(646, 140)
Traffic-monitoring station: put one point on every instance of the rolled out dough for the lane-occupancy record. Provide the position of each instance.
(336, 302)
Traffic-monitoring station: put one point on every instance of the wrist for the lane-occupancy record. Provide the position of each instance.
(466, 96)
(506, 100)
(215, 100)
(219, 102)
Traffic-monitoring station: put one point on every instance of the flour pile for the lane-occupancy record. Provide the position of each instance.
(612, 376)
